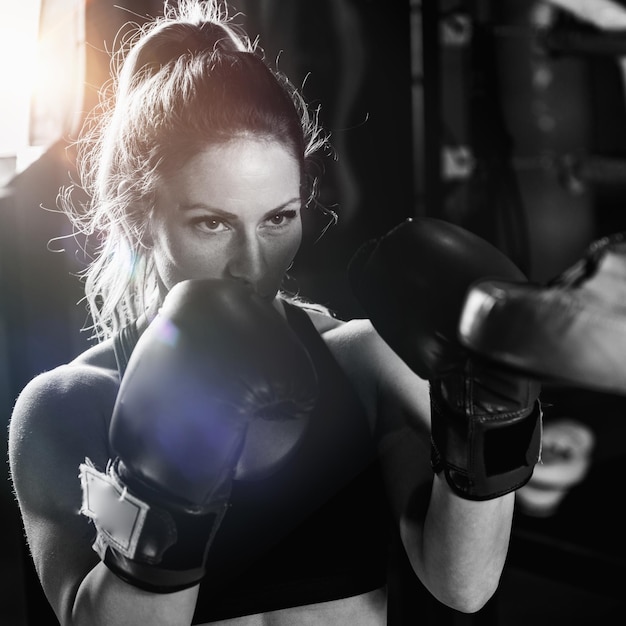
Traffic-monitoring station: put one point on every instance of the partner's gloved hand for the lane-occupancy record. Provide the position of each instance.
(218, 388)
(486, 421)
(571, 330)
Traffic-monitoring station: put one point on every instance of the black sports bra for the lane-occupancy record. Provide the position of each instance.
(123, 345)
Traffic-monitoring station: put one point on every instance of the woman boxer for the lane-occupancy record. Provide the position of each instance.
(199, 181)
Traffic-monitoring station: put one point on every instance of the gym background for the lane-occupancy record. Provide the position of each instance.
(507, 117)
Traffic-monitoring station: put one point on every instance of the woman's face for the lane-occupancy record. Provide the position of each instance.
(231, 211)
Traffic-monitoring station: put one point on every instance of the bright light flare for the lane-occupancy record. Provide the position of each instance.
(18, 61)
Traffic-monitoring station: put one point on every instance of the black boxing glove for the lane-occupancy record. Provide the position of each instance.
(218, 388)
(485, 421)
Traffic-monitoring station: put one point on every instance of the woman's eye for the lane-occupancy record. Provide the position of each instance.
(278, 219)
(210, 224)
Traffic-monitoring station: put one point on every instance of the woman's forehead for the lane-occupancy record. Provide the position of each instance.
(242, 170)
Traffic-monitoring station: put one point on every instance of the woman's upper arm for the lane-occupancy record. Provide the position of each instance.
(59, 418)
(398, 405)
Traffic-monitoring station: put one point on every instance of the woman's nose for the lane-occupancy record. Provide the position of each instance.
(246, 261)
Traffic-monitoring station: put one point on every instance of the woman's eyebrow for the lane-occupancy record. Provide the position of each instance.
(284, 205)
(192, 206)
(227, 214)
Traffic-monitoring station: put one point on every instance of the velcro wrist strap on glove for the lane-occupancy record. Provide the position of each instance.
(484, 455)
(152, 546)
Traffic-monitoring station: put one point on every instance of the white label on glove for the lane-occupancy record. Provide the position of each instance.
(118, 515)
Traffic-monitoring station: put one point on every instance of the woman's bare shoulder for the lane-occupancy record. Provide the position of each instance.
(356, 337)
(384, 382)
(86, 380)
(62, 414)
(64, 386)
(333, 328)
